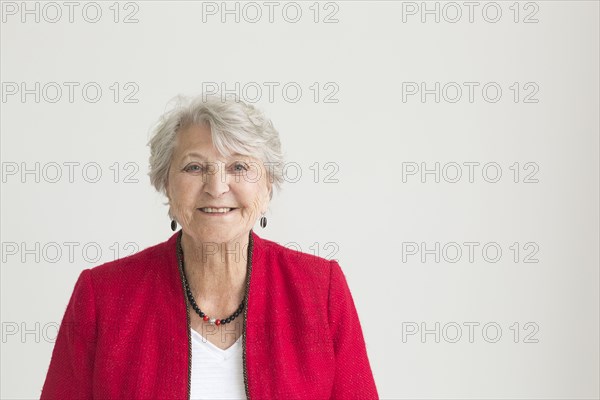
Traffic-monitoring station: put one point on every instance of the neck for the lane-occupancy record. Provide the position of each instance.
(216, 272)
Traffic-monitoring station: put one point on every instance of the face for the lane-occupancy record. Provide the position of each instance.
(199, 178)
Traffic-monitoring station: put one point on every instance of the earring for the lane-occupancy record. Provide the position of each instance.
(263, 221)
(173, 225)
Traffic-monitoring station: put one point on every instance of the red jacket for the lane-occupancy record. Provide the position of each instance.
(126, 333)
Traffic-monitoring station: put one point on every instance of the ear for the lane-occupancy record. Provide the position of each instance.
(269, 189)
(167, 183)
(268, 194)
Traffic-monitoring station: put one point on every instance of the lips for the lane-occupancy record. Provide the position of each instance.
(217, 210)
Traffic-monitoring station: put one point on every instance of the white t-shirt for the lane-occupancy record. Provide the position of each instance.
(216, 373)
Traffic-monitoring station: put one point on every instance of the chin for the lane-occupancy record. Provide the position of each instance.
(214, 236)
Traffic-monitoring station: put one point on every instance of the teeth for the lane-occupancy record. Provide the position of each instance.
(216, 210)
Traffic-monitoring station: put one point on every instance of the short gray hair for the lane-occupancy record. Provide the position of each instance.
(236, 127)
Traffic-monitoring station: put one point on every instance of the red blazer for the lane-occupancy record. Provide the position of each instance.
(126, 335)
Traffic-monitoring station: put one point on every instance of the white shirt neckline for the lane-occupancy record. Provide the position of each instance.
(217, 352)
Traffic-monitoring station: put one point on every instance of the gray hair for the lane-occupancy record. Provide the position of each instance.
(236, 127)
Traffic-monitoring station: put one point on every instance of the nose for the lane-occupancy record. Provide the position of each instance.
(216, 181)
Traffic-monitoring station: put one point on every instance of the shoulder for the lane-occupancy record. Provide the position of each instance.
(293, 262)
(134, 266)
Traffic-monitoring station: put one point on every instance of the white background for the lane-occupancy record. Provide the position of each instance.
(359, 205)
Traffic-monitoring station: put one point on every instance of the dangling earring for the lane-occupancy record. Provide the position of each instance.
(173, 225)
(263, 221)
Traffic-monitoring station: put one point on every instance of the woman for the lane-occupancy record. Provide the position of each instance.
(215, 311)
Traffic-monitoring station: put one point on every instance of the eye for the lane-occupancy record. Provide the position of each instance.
(240, 167)
(193, 168)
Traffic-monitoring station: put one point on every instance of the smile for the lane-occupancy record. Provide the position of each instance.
(217, 211)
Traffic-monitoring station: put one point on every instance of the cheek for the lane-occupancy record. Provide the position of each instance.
(172, 185)
(250, 199)
(182, 191)
(258, 200)
(253, 175)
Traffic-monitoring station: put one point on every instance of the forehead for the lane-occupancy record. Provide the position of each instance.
(195, 141)
(194, 135)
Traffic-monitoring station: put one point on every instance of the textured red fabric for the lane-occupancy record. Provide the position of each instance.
(124, 334)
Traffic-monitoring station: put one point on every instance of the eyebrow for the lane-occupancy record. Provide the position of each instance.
(200, 156)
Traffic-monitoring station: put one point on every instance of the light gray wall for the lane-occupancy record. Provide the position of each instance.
(365, 208)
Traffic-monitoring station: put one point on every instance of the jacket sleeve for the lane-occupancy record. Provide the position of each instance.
(353, 375)
(71, 365)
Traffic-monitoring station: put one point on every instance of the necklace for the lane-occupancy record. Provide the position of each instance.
(190, 296)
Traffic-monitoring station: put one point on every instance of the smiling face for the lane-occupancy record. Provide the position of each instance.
(200, 178)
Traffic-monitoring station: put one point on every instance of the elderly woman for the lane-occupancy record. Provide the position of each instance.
(215, 311)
